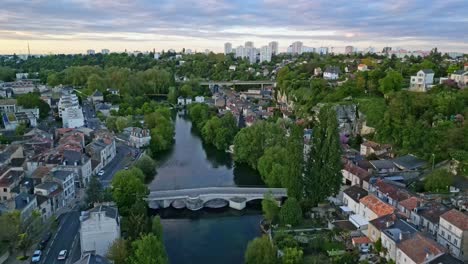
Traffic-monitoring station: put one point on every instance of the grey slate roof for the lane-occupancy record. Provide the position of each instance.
(382, 164)
(426, 71)
(332, 69)
(93, 259)
(61, 174)
(409, 162)
(355, 192)
(97, 93)
(110, 211)
(22, 200)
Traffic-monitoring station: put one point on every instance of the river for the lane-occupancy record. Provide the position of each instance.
(208, 235)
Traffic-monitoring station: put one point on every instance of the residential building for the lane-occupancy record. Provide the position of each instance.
(426, 216)
(296, 47)
(377, 225)
(12, 120)
(370, 147)
(101, 151)
(418, 249)
(460, 77)
(9, 181)
(453, 233)
(354, 175)
(53, 192)
(317, 71)
(92, 259)
(66, 179)
(323, 50)
(445, 259)
(7, 105)
(72, 118)
(273, 47)
(139, 137)
(113, 91)
(349, 50)
(394, 233)
(80, 164)
(363, 243)
(423, 81)
(331, 73)
(265, 54)
(249, 44)
(99, 228)
(227, 48)
(26, 204)
(372, 207)
(351, 197)
(383, 166)
(407, 206)
(67, 100)
(97, 96)
(409, 163)
(105, 51)
(388, 192)
(240, 52)
(90, 52)
(199, 99)
(362, 67)
(9, 152)
(44, 205)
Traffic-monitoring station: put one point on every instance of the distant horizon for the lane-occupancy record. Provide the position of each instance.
(282, 49)
(73, 26)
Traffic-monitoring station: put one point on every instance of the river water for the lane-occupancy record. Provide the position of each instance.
(208, 235)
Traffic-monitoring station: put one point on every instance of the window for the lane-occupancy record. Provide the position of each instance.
(5, 190)
(449, 237)
(443, 233)
(450, 227)
(455, 242)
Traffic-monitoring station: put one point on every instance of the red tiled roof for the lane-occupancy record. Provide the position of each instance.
(361, 240)
(355, 170)
(410, 203)
(456, 218)
(418, 246)
(377, 206)
(392, 191)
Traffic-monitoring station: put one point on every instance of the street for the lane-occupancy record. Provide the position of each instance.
(67, 237)
(90, 116)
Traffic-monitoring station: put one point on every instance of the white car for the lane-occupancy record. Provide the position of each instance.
(62, 255)
(36, 256)
(100, 173)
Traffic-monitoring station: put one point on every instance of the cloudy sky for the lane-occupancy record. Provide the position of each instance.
(73, 26)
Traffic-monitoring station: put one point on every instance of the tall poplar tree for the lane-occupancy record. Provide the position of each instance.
(323, 168)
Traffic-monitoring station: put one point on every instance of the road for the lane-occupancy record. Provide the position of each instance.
(66, 237)
(90, 116)
(122, 158)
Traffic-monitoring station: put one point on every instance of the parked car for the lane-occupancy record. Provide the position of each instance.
(36, 256)
(62, 255)
(45, 240)
(100, 173)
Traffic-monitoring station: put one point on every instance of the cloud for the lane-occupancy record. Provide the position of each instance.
(208, 23)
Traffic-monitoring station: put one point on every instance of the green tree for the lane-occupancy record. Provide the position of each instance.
(10, 228)
(292, 180)
(148, 166)
(128, 188)
(391, 82)
(438, 181)
(33, 100)
(323, 169)
(7, 74)
(121, 123)
(95, 82)
(24, 243)
(94, 191)
(111, 123)
(156, 227)
(149, 249)
(272, 167)
(291, 212)
(270, 207)
(292, 256)
(260, 251)
(118, 251)
(20, 129)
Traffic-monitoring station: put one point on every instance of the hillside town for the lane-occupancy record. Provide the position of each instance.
(74, 141)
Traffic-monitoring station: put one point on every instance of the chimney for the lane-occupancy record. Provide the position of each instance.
(358, 196)
(401, 236)
(389, 224)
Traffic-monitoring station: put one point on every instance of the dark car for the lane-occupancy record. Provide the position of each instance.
(45, 240)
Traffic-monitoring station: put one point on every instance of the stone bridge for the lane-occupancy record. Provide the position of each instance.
(213, 197)
(234, 83)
